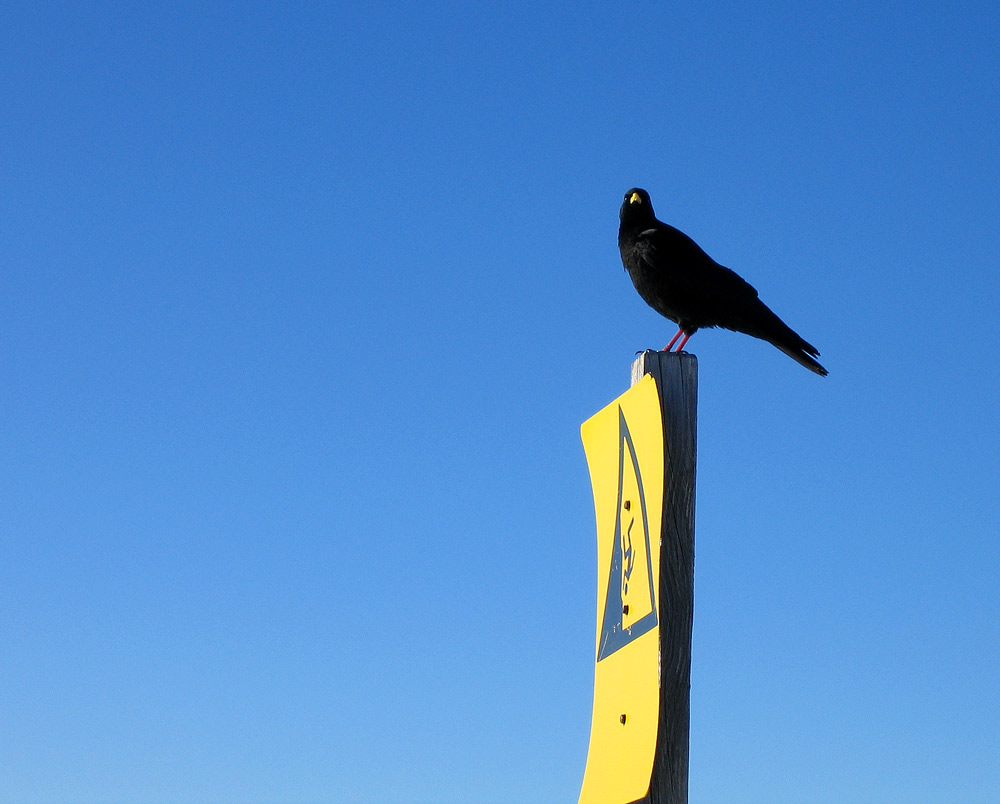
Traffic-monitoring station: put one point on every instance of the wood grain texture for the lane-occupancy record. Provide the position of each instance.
(676, 378)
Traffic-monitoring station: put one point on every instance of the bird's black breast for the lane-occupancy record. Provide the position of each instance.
(659, 266)
(653, 284)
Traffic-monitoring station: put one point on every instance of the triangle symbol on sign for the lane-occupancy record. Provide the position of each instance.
(630, 603)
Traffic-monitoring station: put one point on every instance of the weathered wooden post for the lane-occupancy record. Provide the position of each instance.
(641, 456)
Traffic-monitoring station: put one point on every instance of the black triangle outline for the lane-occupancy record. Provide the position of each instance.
(614, 636)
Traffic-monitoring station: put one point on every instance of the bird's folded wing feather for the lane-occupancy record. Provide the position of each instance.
(685, 264)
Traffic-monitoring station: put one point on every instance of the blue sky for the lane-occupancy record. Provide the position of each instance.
(301, 308)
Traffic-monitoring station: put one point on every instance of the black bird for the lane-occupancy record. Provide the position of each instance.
(679, 280)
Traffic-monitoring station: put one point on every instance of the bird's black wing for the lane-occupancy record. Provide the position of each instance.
(710, 289)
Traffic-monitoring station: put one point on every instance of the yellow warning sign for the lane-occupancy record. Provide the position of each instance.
(624, 447)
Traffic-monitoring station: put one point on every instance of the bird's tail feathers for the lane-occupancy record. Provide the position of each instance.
(779, 334)
(803, 356)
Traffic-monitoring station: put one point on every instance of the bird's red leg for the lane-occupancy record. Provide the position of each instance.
(673, 340)
(683, 340)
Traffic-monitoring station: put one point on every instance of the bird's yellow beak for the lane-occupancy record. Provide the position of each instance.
(635, 199)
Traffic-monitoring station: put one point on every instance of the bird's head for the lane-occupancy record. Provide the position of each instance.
(636, 208)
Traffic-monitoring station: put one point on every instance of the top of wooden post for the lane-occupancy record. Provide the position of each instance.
(667, 368)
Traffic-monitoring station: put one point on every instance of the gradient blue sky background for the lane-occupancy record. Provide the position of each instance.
(301, 308)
